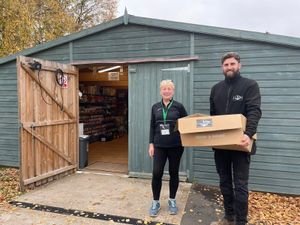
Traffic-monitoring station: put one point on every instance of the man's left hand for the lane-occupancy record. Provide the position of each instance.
(245, 141)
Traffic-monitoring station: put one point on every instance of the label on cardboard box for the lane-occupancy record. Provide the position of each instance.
(204, 123)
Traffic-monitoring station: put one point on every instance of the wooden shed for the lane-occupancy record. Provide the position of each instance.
(117, 67)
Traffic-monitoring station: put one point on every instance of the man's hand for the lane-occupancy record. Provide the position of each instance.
(151, 150)
(245, 141)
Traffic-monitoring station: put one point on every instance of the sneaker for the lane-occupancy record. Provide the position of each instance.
(155, 207)
(173, 209)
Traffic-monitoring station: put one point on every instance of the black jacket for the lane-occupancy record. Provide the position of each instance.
(175, 112)
(238, 95)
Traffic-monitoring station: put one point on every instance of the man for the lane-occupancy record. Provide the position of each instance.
(235, 95)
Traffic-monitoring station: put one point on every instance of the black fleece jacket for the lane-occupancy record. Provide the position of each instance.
(175, 112)
(237, 95)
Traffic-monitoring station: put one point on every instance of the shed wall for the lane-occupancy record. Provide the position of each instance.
(60, 53)
(9, 136)
(132, 41)
(277, 70)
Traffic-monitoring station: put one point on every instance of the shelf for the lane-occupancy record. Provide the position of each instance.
(101, 114)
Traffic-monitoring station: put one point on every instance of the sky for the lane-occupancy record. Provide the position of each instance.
(274, 16)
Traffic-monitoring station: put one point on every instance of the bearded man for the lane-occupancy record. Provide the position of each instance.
(235, 95)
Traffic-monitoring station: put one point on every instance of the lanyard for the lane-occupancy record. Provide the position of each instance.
(165, 112)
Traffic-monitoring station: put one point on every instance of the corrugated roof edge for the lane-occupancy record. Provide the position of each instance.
(186, 27)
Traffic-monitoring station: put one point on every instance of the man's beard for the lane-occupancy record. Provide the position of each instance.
(232, 75)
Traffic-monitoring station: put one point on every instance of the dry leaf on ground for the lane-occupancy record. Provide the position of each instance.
(9, 184)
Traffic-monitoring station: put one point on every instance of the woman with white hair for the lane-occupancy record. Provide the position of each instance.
(165, 144)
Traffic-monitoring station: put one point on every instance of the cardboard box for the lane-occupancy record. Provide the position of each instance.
(223, 132)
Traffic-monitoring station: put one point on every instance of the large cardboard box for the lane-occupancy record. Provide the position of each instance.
(223, 132)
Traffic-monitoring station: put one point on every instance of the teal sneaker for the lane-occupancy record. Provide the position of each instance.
(155, 207)
(173, 209)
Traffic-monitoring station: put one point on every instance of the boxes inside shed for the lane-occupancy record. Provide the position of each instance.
(103, 115)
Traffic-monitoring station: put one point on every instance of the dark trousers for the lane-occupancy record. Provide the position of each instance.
(160, 158)
(233, 170)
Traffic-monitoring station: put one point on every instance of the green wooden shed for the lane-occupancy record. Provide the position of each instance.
(151, 50)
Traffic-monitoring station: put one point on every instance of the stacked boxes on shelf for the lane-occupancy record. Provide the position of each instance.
(99, 114)
(122, 111)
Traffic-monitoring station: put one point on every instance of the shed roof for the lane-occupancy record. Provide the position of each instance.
(186, 27)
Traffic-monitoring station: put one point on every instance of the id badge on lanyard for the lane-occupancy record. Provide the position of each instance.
(165, 128)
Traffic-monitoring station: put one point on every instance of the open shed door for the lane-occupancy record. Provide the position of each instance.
(48, 114)
(144, 91)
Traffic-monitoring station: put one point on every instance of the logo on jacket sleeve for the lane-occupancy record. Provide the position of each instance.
(237, 98)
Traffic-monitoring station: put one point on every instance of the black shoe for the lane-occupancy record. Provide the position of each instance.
(222, 222)
(230, 218)
(241, 223)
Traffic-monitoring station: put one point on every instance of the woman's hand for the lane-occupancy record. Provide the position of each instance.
(151, 150)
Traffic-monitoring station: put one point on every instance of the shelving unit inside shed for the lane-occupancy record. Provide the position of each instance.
(103, 115)
(103, 112)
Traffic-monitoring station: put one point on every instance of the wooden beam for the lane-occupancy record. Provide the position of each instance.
(67, 71)
(48, 123)
(50, 174)
(55, 99)
(134, 61)
(49, 145)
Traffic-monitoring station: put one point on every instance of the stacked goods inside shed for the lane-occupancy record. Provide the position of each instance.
(103, 113)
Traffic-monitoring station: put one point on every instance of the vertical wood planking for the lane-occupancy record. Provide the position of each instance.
(54, 148)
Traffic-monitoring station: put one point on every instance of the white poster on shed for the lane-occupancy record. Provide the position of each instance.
(113, 76)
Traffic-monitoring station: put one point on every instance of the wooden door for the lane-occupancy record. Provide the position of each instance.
(48, 114)
(143, 90)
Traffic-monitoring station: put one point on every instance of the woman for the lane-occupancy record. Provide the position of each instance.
(165, 144)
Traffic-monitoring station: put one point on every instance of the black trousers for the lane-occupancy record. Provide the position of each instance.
(233, 170)
(161, 155)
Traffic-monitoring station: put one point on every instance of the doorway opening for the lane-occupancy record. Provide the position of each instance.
(103, 116)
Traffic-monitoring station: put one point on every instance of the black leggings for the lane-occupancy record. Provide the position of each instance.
(160, 158)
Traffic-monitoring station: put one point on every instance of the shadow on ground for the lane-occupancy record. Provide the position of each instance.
(203, 205)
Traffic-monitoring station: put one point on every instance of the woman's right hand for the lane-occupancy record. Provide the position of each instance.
(151, 150)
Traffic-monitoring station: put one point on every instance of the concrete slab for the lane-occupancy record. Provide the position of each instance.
(107, 194)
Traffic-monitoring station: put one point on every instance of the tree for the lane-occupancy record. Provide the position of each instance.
(26, 23)
(50, 19)
(15, 27)
(88, 13)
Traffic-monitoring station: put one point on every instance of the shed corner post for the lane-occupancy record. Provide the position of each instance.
(190, 150)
